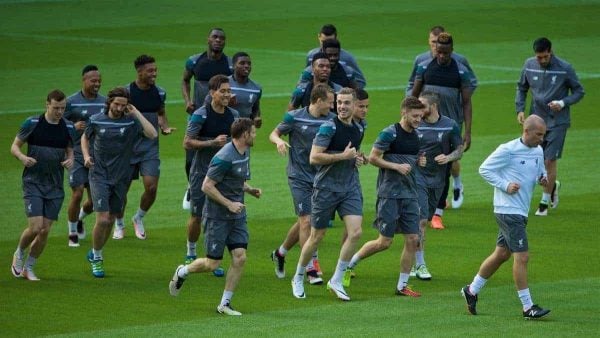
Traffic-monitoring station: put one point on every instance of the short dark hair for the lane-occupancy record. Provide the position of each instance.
(328, 29)
(216, 81)
(56, 95)
(431, 97)
(89, 68)
(361, 94)
(320, 91)
(445, 39)
(436, 30)
(114, 93)
(143, 60)
(331, 43)
(319, 55)
(238, 55)
(542, 45)
(411, 102)
(348, 91)
(240, 126)
(216, 29)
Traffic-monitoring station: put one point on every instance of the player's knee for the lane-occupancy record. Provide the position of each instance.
(354, 234)
(238, 259)
(522, 257)
(412, 241)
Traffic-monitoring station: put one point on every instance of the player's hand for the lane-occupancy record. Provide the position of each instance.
(403, 168)
(79, 126)
(441, 159)
(349, 152)
(282, 148)
(258, 122)
(236, 207)
(28, 161)
(167, 131)
(190, 107)
(360, 160)
(556, 105)
(68, 163)
(220, 141)
(543, 181)
(254, 192)
(422, 159)
(513, 187)
(131, 109)
(88, 162)
(466, 142)
(521, 117)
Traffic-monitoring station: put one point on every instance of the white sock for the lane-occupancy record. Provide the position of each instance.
(226, 297)
(72, 227)
(191, 248)
(300, 271)
(183, 272)
(282, 251)
(20, 253)
(354, 261)
(119, 223)
(30, 262)
(545, 198)
(419, 258)
(525, 298)
(339, 272)
(82, 214)
(477, 284)
(457, 182)
(439, 212)
(140, 214)
(403, 280)
(97, 254)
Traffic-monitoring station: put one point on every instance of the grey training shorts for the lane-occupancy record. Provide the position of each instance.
(512, 234)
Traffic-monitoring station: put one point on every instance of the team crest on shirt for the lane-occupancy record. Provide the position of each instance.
(553, 79)
(84, 112)
(250, 98)
(420, 135)
(101, 110)
(122, 131)
(440, 134)
(535, 78)
(102, 131)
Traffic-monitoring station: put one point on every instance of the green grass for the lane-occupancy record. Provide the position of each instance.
(45, 44)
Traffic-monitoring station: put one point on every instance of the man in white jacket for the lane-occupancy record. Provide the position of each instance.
(513, 169)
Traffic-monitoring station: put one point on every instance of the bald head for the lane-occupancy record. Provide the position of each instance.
(534, 129)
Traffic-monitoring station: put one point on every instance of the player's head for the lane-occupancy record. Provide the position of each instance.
(321, 97)
(321, 67)
(55, 105)
(328, 31)
(242, 65)
(542, 48)
(443, 48)
(117, 100)
(431, 100)
(412, 111)
(243, 130)
(145, 66)
(220, 89)
(345, 100)
(91, 80)
(433, 34)
(216, 40)
(331, 48)
(361, 108)
(534, 129)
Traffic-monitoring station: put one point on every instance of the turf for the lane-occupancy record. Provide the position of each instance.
(45, 44)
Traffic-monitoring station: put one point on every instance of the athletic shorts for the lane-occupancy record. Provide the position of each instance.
(325, 203)
(219, 233)
(554, 141)
(301, 194)
(108, 197)
(145, 168)
(197, 197)
(428, 201)
(512, 234)
(38, 205)
(78, 174)
(397, 216)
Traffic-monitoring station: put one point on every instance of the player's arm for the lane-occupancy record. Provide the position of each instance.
(417, 87)
(521, 96)
(255, 116)
(491, 168)
(376, 159)
(575, 86)
(211, 191)
(163, 122)
(318, 156)
(256, 192)
(147, 127)
(15, 150)
(467, 106)
(69, 158)
(281, 144)
(186, 89)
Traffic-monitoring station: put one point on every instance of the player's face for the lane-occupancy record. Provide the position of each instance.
(118, 107)
(361, 108)
(147, 73)
(413, 117)
(55, 109)
(345, 106)
(432, 43)
(250, 136)
(222, 95)
(333, 54)
(216, 41)
(443, 53)
(243, 66)
(543, 58)
(325, 106)
(92, 82)
(321, 69)
(534, 136)
(427, 110)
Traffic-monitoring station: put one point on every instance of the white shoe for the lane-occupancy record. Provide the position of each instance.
(138, 226)
(542, 210)
(176, 282)
(73, 240)
(118, 233)
(423, 273)
(298, 288)
(554, 197)
(30, 275)
(17, 267)
(185, 204)
(226, 309)
(338, 289)
(457, 198)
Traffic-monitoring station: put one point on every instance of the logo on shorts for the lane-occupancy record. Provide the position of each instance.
(383, 226)
(99, 202)
(29, 207)
(521, 243)
(300, 206)
(214, 246)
